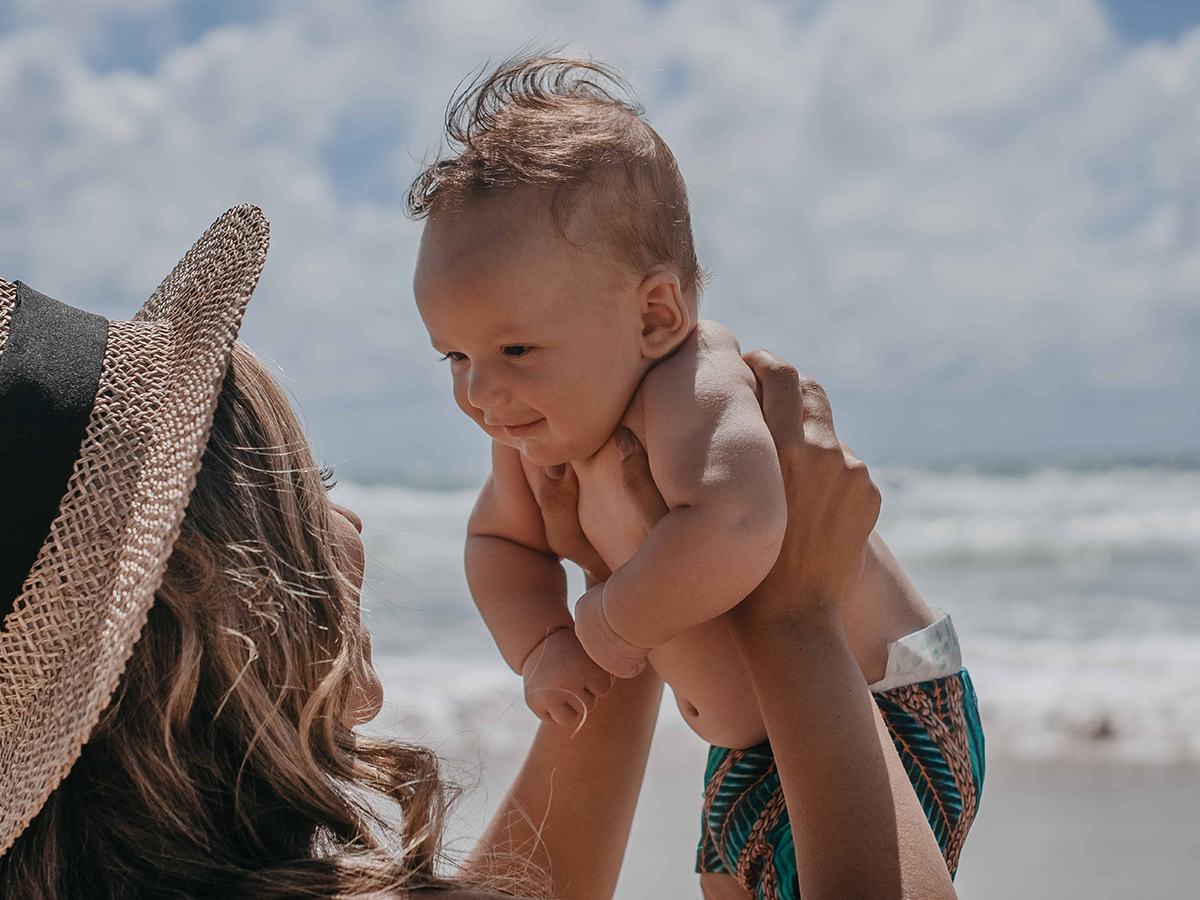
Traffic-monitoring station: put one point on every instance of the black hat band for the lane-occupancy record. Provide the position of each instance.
(50, 369)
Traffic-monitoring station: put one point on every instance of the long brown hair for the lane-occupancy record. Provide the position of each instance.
(223, 767)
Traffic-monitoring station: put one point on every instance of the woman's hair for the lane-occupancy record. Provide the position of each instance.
(222, 767)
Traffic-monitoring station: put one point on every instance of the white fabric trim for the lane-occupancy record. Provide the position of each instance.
(924, 655)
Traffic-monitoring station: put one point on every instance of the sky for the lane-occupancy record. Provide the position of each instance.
(977, 222)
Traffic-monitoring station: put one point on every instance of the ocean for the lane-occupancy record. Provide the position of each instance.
(1076, 594)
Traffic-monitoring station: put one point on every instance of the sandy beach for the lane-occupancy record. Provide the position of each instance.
(1045, 829)
(1057, 830)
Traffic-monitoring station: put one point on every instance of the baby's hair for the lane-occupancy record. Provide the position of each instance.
(573, 130)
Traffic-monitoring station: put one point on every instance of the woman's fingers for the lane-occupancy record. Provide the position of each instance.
(781, 398)
(558, 490)
(557, 493)
(818, 417)
(639, 482)
(795, 408)
(832, 502)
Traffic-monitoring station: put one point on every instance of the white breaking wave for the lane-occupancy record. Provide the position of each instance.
(1077, 596)
(1049, 515)
(1133, 699)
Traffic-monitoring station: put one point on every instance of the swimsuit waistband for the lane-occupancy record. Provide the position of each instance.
(933, 652)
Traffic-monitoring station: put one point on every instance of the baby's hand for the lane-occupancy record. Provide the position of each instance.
(561, 682)
(612, 652)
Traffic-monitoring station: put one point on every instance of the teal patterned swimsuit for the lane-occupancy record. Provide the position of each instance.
(935, 726)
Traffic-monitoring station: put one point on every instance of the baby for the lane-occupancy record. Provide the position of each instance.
(557, 276)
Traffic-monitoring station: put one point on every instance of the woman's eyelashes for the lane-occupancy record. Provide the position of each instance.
(517, 350)
(454, 356)
(327, 477)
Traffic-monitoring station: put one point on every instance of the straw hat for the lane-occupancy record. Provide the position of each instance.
(102, 427)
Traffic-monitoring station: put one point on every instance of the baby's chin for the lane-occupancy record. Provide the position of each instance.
(540, 452)
(542, 456)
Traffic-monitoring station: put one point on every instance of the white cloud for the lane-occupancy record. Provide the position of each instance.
(928, 204)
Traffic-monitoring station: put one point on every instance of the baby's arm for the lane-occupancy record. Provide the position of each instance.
(520, 589)
(715, 463)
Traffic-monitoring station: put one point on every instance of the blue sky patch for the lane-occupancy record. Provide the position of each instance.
(1138, 21)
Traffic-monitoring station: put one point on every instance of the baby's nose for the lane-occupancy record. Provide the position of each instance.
(485, 390)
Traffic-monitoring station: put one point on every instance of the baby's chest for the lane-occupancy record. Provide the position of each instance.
(606, 515)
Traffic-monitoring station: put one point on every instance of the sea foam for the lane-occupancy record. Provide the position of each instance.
(1076, 595)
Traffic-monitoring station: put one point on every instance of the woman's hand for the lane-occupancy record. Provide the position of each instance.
(832, 502)
(557, 493)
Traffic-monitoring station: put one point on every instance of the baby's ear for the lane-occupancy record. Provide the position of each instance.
(666, 317)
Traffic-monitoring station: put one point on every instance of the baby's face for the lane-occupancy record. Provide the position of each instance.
(543, 340)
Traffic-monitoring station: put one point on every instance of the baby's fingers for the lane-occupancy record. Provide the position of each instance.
(559, 711)
(599, 683)
(567, 712)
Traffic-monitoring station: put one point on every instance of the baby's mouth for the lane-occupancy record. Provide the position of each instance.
(517, 431)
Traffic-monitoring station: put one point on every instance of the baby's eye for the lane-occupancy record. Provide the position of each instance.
(517, 349)
(455, 356)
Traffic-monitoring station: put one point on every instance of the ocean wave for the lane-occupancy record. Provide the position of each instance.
(1112, 701)
(1048, 517)
(1077, 595)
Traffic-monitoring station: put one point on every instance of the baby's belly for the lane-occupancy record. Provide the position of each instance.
(712, 688)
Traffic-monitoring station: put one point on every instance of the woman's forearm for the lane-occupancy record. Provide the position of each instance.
(570, 808)
(859, 830)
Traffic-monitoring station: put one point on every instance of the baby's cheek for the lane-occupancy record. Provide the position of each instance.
(460, 397)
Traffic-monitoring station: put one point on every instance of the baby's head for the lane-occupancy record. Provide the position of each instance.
(557, 266)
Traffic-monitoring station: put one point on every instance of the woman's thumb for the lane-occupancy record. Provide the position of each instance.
(639, 482)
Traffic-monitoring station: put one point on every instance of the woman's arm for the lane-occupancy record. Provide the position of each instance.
(570, 808)
(859, 830)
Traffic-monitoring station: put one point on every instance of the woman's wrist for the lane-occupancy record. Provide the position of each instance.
(774, 615)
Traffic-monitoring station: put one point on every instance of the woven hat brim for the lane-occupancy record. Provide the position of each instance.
(86, 599)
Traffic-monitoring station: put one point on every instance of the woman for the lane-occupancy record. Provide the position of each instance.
(225, 763)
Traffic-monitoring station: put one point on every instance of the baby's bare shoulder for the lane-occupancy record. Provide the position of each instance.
(707, 368)
(704, 428)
